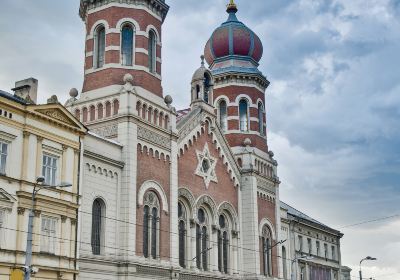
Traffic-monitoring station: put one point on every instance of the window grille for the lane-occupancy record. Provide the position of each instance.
(97, 226)
(3, 157)
(49, 170)
(127, 34)
(49, 235)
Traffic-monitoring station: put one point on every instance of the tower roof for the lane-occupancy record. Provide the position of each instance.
(233, 39)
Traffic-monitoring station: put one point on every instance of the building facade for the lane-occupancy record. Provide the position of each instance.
(38, 141)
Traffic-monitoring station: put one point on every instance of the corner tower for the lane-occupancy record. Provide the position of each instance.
(233, 53)
(123, 36)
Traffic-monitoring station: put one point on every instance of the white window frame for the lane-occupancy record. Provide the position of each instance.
(48, 237)
(3, 166)
(53, 180)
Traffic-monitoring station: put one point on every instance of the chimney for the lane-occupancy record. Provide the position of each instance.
(27, 90)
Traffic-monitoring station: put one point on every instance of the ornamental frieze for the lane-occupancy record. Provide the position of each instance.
(152, 137)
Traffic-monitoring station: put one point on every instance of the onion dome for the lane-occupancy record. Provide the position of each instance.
(233, 39)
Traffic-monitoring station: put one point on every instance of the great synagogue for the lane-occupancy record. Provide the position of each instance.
(166, 194)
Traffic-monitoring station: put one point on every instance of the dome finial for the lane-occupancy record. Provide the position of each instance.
(231, 7)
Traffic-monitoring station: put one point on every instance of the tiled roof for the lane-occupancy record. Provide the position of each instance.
(181, 114)
(12, 97)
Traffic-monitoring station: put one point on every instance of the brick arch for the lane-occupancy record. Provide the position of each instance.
(153, 185)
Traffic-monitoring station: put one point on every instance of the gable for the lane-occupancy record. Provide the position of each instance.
(58, 114)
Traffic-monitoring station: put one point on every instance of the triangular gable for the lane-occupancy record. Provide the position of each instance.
(195, 126)
(6, 199)
(57, 112)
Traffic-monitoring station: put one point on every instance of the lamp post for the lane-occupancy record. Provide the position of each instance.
(365, 259)
(37, 187)
(305, 258)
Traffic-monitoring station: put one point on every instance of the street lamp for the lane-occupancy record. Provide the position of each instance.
(305, 258)
(365, 259)
(37, 187)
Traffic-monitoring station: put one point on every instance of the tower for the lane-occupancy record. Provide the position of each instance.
(202, 88)
(123, 37)
(233, 53)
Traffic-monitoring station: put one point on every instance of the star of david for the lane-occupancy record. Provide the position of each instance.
(206, 166)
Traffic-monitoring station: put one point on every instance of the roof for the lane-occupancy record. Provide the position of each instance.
(296, 213)
(181, 114)
(12, 97)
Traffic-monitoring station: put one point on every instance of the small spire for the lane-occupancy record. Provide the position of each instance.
(202, 60)
(231, 7)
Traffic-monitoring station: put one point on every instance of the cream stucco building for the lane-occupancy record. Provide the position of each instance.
(38, 140)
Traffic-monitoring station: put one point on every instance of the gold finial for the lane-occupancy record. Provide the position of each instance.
(231, 7)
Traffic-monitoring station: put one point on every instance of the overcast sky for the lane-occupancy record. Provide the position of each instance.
(333, 106)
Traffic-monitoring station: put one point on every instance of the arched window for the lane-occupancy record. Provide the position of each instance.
(197, 91)
(223, 115)
(182, 234)
(85, 114)
(98, 214)
(243, 113)
(151, 225)
(108, 109)
(127, 45)
(116, 107)
(152, 51)
(100, 46)
(223, 245)
(78, 114)
(202, 240)
(266, 240)
(260, 118)
(100, 111)
(92, 112)
(284, 262)
(207, 86)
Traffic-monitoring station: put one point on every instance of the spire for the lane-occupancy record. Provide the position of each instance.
(231, 7)
(202, 60)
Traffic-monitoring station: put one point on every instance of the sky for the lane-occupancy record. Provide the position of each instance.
(333, 106)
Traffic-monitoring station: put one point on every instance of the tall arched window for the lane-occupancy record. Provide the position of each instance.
(100, 111)
(108, 109)
(152, 51)
(260, 118)
(266, 240)
(100, 46)
(223, 115)
(223, 245)
(284, 262)
(182, 234)
(127, 45)
(98, 214)
(207, 86)
(116, 107)
(84, 114)
(92, 112)
(243, 113)
(151, 225)
(202, 240)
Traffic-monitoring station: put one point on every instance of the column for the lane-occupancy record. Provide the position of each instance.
(39, 155)
(173, 203)
(25, 154)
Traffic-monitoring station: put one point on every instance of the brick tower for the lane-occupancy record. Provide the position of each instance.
(123, 37)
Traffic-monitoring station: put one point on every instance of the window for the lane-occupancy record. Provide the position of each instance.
(98, 214)
(317, 248)
(108, 109)
(116, 107)
(207, 86)
(3, 157)
(284, 262)
(244, 120)
(84, 114)
(205, 165)
(309, 246)
(202, 240)
(333, 253)
(49, 170)
(326, 250)
(223, 115)
(223, 245)
(266, 239)
(182, 234)
(127, 35)
(260, 118)
(152, 51)
(100, 111)
(300, 243)
(151, 225)
(49, 235)
(92, 113)
(100, 46)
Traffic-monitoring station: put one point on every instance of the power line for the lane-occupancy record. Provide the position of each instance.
(370, 221)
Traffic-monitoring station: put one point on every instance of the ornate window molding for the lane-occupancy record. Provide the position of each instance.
(206, 166)
(160, 191)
